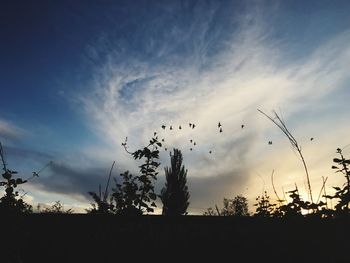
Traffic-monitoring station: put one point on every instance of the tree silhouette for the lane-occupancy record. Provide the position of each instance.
(57, 208)
(238, 206)
(175, 194)
(264, 208)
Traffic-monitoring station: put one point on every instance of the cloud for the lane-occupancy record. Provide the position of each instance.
(72, 181)
(9, 131)
(202, 71)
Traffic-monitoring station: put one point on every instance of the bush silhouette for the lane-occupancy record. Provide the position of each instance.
(342, 193)
(238, 206)
(134, 195)
(175, 194)
(11, 202)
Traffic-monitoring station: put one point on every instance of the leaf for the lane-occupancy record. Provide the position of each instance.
(152, 196)
(337, 160)
(336, 188)
(334, 167)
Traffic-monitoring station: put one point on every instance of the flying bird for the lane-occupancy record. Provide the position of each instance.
(165, 149)
(190, 149)
(242, 126)
(180, 127)
(311, 138)
(270, 142)
(220, 129)
(193, 126)
(194, 143)
(219, 125)
(190, 124)
(154, 134)
(191, 141)
(171, 127)
(210, 152)
(162, 140)
(163, 127)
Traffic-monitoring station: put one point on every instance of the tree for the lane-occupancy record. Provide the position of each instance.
(57, 208)
(175, 194)
(238, 206)
(263, 206)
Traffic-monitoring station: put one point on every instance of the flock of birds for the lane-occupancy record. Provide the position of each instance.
(192, 126)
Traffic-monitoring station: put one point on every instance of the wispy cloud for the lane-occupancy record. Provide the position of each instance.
(9, 131)
(203, 73)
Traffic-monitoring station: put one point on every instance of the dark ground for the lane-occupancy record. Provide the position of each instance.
(95, 238)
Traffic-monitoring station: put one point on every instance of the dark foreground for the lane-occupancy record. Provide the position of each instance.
(93, 238)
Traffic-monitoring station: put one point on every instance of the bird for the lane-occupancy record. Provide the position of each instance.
(165, 149)
(242, 126)
(220, 129)
(163, 127)
(219, 125)
(194, 143)
(193, 126)
(162, 140)
(191, 141)
(270, 142)
(210, 152)
(180, 127)
(171, 127)
(311, 138)
(190, 149)
(190, 124)
(154, 134)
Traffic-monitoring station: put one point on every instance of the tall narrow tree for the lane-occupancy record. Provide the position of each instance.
(175, 194)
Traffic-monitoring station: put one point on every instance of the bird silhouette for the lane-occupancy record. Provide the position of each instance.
(171, 127)
(165, 149)
(191, 141)
(219, 125)
(190, 124)
(163, 127)
(154, 134)
(242, 126)
(270, 142)
(190, 149)
(180, 127)
(193, 126)
(194, 143)
(220, 129)
(311, 138)
(162, 140)
(210, 152)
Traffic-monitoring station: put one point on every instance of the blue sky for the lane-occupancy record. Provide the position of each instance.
(78, 77)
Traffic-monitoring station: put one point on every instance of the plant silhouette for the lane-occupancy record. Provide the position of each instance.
(238, 206)
(342, 193)
(264, 208)
(57, 208)
(11, 202)
(175, 195)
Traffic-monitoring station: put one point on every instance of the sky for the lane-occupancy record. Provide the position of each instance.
(78, 77)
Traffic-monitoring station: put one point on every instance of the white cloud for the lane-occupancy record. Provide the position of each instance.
(8, 131)
(134, 98)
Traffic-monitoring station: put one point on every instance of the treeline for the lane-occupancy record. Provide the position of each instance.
(135, 194)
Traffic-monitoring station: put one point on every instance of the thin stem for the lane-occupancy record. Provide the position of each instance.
(281, 125)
